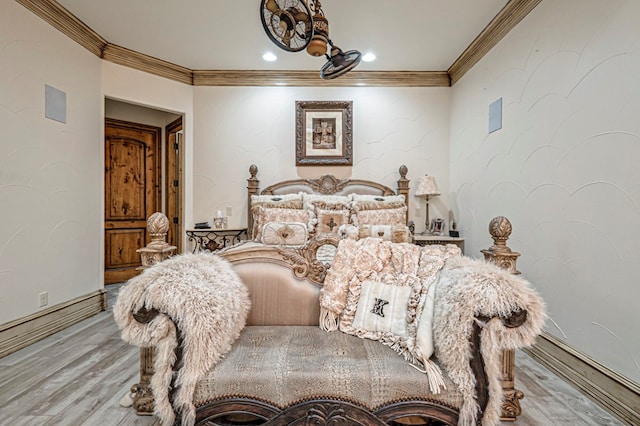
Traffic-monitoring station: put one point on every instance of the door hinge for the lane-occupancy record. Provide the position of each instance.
(175, 220)
(175, 146)
(175, 183)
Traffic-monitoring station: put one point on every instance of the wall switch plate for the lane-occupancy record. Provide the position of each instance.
(44, 298)
(228, 211)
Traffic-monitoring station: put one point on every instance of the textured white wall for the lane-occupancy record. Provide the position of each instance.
(564, 167)
(237, 127)
(50, 173)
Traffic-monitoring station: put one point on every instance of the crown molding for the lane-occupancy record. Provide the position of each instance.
(67, 23)
(139, 61)
(312, 78)
(510, 15)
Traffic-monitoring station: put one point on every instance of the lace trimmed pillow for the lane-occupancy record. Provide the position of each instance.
(326, 217)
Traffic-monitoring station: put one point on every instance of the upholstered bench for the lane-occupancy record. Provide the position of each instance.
(283, 369)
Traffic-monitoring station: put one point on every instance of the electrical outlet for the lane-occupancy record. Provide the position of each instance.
(44, 298)
(228, 211)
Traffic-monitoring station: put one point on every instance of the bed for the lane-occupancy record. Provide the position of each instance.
(312, 381)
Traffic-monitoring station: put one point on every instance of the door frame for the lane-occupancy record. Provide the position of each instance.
(174, 183)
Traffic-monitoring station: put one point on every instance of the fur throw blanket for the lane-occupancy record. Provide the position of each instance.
(204, 296)
(468, 288)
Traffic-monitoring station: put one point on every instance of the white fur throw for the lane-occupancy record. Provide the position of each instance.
(209, 303)
(467, 288)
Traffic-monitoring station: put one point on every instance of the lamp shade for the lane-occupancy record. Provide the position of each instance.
(427, 186)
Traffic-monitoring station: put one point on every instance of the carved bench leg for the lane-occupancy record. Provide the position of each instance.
(511, 405)
(142, 395)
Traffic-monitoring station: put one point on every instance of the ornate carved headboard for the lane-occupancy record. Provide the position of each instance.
(325, 184)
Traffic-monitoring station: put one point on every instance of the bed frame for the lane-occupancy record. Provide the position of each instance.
(326, 185)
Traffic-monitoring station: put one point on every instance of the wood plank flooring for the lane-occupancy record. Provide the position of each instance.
(78, 376)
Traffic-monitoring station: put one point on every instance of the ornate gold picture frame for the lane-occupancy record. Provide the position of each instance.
(324, 133)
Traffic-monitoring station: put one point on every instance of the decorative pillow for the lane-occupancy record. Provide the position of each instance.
(285, 233)
(327, 214)
(284, 201)
(307, 199)
(264, 215)
(382, 308)
(394, 216)
(375, 202)
(329, 221)
(369, 302)
(393, 233)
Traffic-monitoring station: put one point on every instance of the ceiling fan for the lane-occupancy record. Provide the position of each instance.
(294, 25)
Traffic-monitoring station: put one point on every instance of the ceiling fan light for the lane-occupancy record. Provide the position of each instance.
(269, 57)
(369, 57)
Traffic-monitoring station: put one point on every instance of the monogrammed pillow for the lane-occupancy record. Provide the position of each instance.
(382, 308)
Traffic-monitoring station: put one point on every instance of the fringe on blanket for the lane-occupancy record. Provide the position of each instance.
(328, 320)
(434, 375)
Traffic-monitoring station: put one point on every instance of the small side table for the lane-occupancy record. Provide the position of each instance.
(215, 239)
(423, 240)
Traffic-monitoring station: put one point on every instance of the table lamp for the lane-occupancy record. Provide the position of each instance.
(427, 187)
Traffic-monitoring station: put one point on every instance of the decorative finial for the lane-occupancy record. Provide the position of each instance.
(403, 171)
(253, 171)
(158, 226)
(500, 230)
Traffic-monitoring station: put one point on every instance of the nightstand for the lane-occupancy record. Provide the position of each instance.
(423, 240)
(209, 239)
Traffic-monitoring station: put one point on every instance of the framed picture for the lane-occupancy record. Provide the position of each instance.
(437, 226)
(324, 133)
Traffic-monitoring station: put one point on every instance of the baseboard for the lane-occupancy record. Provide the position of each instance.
(615, 393)
(25, 331)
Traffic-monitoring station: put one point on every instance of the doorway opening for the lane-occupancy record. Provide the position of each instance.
(143, 175)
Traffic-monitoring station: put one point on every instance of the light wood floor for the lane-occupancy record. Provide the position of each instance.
(79, 375)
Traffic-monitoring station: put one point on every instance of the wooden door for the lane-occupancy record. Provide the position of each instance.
(132, 194)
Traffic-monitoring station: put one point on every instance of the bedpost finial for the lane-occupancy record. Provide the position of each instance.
(253, 170)
(158, 226)
(403, 171)
(500, 230)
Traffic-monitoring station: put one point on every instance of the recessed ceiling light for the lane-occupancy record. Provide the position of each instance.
(269, 57)
(368, 57)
